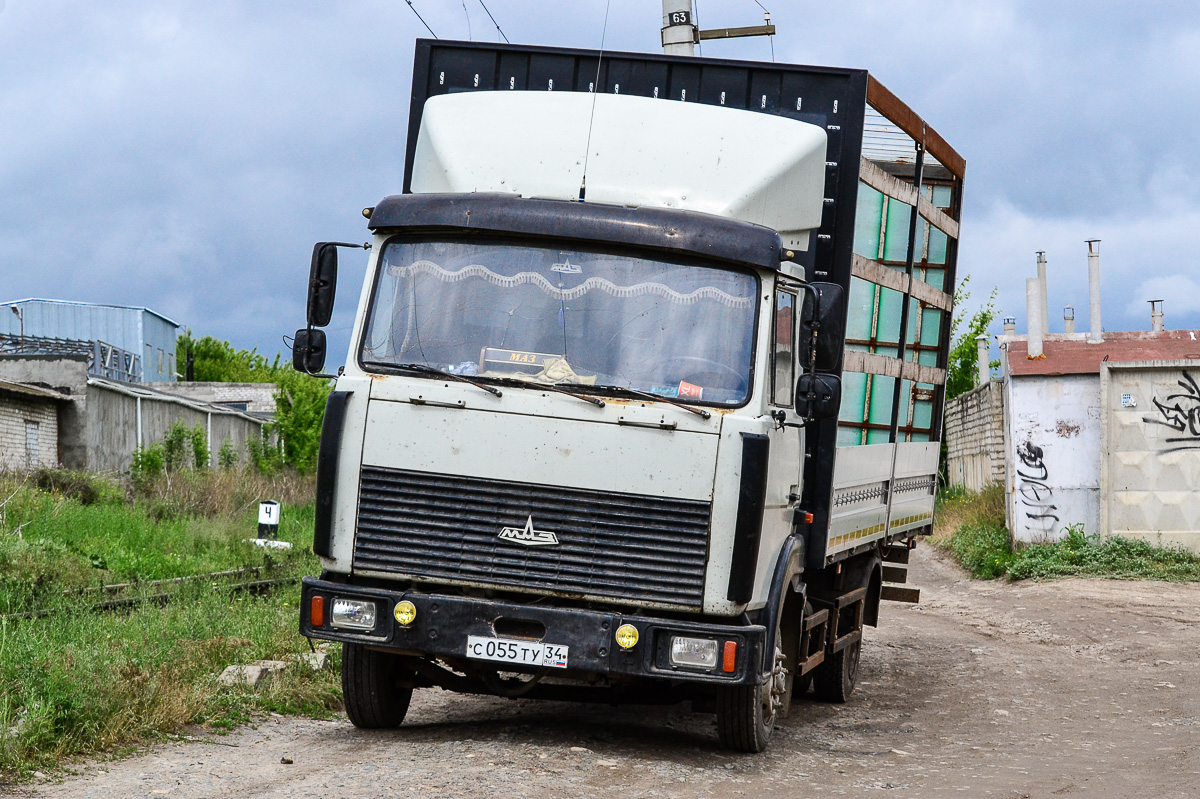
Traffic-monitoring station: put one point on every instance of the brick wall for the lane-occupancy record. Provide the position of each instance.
(15, 417)
(257, 397)
(975, 437)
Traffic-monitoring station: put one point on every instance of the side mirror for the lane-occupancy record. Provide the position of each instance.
(322, 284)
(823, 315)
(818, 396)
(308, 351)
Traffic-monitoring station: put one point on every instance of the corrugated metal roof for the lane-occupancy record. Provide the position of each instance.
(1077, 356)
(95, 305)
(141, 390)
(25, 390)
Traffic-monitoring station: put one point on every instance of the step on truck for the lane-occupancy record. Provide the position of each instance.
(644, 395)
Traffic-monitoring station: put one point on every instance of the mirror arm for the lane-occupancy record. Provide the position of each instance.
(366, 245)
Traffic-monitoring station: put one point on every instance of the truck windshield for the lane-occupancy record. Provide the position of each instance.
(585, 319)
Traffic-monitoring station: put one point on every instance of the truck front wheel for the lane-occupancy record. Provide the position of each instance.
(746, 714)
(371, 688)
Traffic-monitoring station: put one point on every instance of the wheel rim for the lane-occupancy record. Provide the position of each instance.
(775, 689)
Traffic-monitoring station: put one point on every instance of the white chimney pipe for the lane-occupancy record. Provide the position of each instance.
(1010, 325)
(1156, 319)
(1096, 335)
(1041, 269)
(1069, 320)
(1033, 311)
(985, 369)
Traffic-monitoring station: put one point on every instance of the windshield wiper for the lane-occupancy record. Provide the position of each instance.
(599, 403)
(703, 414)
(433, 370)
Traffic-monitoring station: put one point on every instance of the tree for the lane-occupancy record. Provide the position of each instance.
(964, 352)
(299, 399)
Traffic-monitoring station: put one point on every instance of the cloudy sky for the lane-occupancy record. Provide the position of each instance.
(186, 155)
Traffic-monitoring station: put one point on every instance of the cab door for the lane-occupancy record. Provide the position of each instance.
(784, 465)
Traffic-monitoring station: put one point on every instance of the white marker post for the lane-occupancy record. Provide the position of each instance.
(268, 519)
(268, 526)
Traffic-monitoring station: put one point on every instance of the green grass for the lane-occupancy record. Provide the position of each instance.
(972, 528)
(64, 544)
(75, 681)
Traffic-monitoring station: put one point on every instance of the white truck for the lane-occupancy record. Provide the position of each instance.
(644, 393)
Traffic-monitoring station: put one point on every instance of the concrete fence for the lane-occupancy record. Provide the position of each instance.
(975, 437)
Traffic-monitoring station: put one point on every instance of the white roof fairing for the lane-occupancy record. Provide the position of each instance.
(738, 164)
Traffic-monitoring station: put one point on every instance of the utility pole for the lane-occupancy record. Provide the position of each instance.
(679, 31)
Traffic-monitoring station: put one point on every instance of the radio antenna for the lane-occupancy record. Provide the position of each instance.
(595, 90)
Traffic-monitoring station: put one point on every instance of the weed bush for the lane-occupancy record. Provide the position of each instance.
(972, 528)
(227, 458)
(200, 454)
(84, 487)
(75, 681)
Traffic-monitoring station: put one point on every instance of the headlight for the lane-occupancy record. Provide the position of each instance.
(699, 653)
(354, 614)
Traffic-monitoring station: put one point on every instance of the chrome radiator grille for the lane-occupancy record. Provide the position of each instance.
(612, 546)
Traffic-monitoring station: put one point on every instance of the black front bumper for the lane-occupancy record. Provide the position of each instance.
(443, 623)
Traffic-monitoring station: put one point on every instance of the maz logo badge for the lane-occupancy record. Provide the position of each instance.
(527, 536)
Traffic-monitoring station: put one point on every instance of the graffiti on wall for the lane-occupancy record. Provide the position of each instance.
(1180, 412)
(1033, 488)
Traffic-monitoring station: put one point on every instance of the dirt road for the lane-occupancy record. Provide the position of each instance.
(1071, 688)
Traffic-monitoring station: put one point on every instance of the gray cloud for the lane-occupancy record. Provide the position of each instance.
(186, 155)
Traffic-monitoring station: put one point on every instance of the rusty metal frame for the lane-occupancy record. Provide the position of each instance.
(894, 109)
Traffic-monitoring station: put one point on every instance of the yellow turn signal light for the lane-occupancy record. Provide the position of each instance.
(405, 612)
(627, 636)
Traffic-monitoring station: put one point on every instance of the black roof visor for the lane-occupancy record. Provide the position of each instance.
(657, 228)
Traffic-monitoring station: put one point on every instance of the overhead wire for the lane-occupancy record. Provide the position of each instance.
(423, 22)
(468, 16)
(494, 22)
(770, 36)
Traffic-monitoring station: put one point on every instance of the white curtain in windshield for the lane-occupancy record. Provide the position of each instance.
(562, 316)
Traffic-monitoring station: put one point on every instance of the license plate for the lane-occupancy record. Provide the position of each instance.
(526, 653)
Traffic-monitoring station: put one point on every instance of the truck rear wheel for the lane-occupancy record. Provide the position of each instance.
(833, 680)
(371, 688)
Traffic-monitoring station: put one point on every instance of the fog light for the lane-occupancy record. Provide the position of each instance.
(627, 636)
(354, 614)
(405, 612)
(694, 652)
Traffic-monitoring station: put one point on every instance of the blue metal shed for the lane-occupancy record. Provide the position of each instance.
(139, 331)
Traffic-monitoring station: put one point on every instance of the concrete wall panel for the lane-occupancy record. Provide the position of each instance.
(1151, 463)
(1052, 459)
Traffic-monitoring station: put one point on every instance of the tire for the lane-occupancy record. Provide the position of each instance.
(746, 714)
(742, 721)
(801, 685)
(833, 680)
(371, 688)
